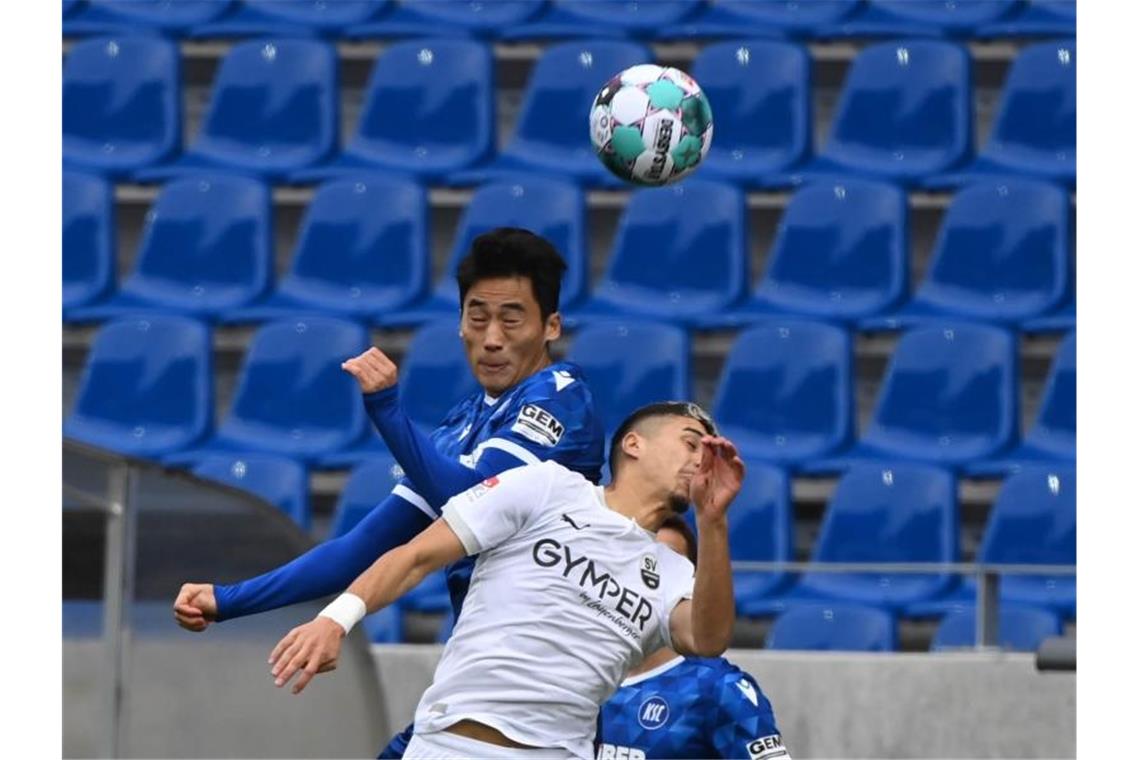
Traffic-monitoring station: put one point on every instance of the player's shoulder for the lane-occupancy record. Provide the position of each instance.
(561, 381)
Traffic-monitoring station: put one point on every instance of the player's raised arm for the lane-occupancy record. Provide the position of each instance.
(473, 521)
(703, 626)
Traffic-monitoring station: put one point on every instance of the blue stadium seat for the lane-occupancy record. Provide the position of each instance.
(69, 6)
(429, 18)
(760, 530)
(1038, 18)
(949, 397)
(905, 113)
(785, 392)
(273, 111)
(385, 626)
(1053, 437)
(206, 248)
(568, 19)
(1035, 131)
(760, 93)
(292, 397)
(680, 254)
(1002, 255)
(552, 208)
(291, 18)
(369, 483)
(281, 481)
(841, 253)
(734, 18)
(886, 513)
(443, 93)
(88, 239)
(839, 627)
(122, 103)
(1033, 522)
(1021, 629)
(362, 249)
(163, 16)
(550, 137)
(434, 377)
(146, 388)
(903, 18)
(1062, 320)
(631, 364)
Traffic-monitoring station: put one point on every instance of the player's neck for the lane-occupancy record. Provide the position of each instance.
(627, 497)
(655, 660)
(542, 364)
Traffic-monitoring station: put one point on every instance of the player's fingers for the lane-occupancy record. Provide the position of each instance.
(327, 667)
(311, 669)
(353, 368)
(187, 612)
(282, 646)
(296, 663)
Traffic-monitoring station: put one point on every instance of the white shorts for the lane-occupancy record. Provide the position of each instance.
(444, 745)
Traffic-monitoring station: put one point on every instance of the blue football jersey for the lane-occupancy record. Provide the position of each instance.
(686, 708)
(549, 415)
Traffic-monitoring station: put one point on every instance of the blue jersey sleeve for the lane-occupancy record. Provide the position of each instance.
(743, 724)
(327, 568)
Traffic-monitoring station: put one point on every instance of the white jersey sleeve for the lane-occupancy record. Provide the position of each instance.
(489, 513)
(678, 576)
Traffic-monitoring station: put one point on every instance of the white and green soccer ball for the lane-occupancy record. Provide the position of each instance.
(651, 125)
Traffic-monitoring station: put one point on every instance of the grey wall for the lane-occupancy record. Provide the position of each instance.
(210, 695)
(961, 705)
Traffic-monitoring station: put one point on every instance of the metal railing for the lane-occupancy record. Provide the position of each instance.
(988, 577)
(117, 506)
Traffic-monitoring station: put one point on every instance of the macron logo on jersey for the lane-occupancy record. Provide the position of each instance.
(536, 424)
(747, 690)
(562, 378)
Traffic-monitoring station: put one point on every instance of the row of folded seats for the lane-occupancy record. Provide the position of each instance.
(879, 513)
(949, 396)
(553, 19)
(1004, 254)
(905, 113)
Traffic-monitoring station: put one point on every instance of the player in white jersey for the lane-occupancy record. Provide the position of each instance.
(569, 591)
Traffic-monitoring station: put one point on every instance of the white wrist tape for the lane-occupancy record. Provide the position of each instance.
(346, 610)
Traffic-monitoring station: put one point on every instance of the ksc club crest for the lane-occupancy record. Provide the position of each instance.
(649, 571)
(653, 713)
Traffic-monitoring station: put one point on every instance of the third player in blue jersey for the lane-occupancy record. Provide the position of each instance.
(678, 707)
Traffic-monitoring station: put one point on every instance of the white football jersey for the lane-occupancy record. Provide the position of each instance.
(566, 595)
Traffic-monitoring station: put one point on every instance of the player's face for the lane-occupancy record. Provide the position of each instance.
(672, 456)
(503, 332)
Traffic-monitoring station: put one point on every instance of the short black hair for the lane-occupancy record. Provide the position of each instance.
(658, 409)
(677, 523)
(514, 252)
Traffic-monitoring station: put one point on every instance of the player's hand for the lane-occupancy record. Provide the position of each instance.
(308, 649)
(718, 478)
(372, 369)
(195, 606)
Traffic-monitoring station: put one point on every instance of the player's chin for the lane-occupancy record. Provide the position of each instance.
(679, 502)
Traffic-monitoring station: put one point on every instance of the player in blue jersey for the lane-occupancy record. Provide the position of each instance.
(530, 409)
(683, 707)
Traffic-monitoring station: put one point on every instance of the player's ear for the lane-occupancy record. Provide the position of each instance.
(632, 444)
(553, 327)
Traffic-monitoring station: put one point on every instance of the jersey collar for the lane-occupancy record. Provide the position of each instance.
(662, 668)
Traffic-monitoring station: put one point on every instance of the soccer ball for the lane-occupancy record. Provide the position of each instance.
(651, 125)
